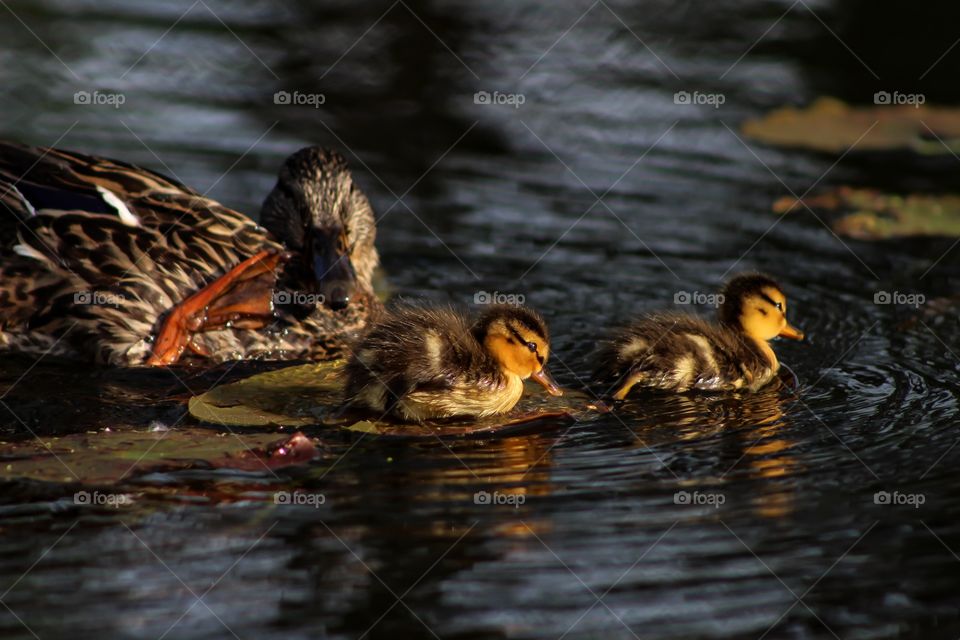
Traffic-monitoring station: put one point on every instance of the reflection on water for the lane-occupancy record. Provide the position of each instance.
(597, 199)
(750, 431)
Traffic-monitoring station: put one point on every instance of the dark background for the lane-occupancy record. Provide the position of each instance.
(480, 197)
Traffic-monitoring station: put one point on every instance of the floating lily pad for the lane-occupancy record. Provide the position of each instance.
(874, 215)
(312, 394)
(293, 396)
(833, 126)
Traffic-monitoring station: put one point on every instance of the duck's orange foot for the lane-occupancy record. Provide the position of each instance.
(242, 296)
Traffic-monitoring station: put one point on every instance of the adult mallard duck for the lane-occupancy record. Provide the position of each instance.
(680, 352)
(106, 261)
(419, 363)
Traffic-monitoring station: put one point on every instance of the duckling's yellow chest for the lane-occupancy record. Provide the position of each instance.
(761, 375)
(463, 399)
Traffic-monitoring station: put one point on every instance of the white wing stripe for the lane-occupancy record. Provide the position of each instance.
(126, 216)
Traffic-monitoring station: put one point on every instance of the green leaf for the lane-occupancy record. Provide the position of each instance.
(873, 215)
(833, 126)
(292, 396)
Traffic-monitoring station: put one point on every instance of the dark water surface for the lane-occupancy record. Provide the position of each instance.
(596, 199)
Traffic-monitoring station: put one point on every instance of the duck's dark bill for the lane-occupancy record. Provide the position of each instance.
(335, 276)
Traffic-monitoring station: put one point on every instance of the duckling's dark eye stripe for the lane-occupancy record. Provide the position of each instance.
(768, 299)
(516, 334)
(530, 324)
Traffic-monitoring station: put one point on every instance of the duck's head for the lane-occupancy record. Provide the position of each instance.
(756, 305)
(518, 340)
(326, 221)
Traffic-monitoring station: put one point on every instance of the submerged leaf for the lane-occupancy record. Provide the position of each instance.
(874, 215)
(295, 450)
(109, 457)
(833, 126)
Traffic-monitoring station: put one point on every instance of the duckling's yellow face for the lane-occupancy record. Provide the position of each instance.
(763, 315)
(520, 352)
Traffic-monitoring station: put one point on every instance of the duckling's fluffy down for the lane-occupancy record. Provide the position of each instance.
(419, 363)
(677, 352)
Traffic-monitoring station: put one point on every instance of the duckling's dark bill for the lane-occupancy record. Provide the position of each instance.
(548, 383)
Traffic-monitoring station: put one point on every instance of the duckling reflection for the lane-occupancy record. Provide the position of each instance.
(512, 470)
(459, 479)
(767, 455)
(693, 416)
(739, 435)
(426, 524)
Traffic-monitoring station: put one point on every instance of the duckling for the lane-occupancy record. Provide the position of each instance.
(420, 363)
(678, 352)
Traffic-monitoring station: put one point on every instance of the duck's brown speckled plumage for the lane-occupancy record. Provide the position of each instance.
(64, 242)
(421, 362)
(682, 352)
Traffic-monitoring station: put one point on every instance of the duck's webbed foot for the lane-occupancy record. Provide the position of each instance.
(241, 297)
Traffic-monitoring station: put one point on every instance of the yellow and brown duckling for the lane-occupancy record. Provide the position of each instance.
(682, 352)
(421, 363)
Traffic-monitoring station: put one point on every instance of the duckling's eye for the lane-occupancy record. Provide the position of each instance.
(780, 306)
(532, 346)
